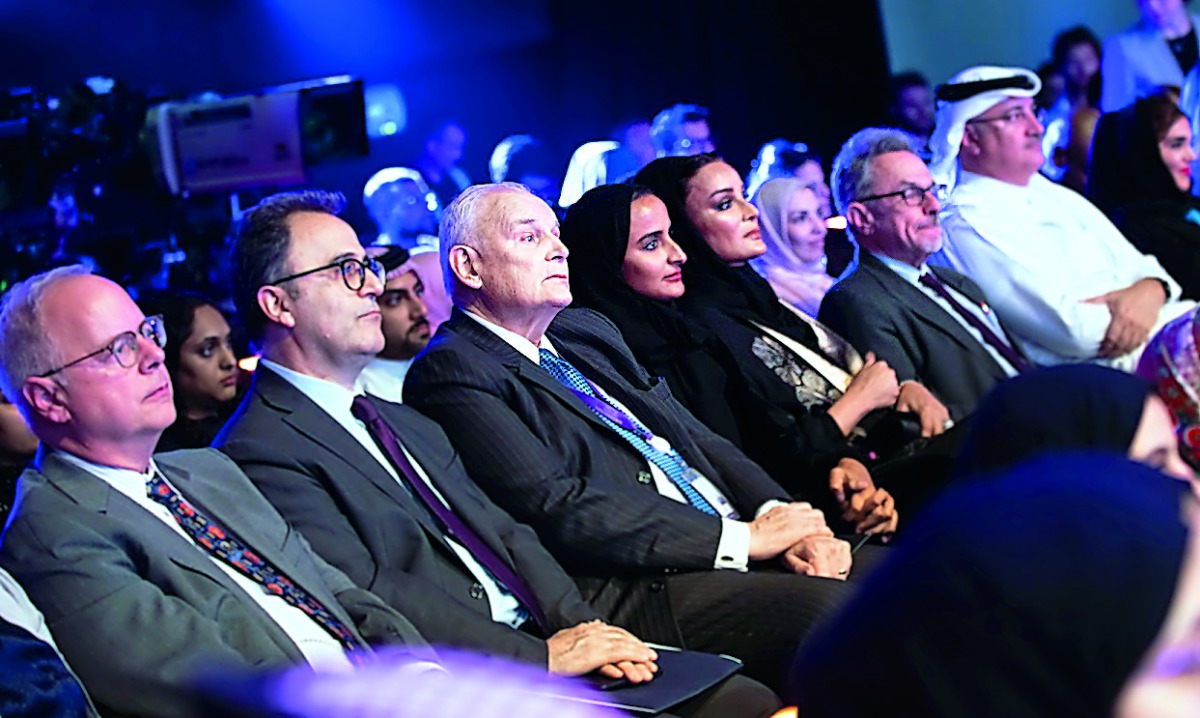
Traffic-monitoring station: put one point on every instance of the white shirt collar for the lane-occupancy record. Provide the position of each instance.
(527, 348)
(393, 367)
(127, 481)
(906, 271)
(334, 399)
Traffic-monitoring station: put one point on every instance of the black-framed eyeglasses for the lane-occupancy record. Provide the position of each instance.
(912, 196)
(125, 349)
(353, 270)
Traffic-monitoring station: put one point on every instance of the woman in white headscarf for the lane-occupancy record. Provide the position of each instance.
(794, 232)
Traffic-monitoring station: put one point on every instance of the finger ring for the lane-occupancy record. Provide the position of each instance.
(947, 424)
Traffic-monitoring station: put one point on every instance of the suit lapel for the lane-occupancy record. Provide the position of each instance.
(925, 309)
(224, 502)
(95, 494)
(310, 420)
(525, 370)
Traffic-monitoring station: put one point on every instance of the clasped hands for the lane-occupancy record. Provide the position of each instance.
(798, 535)
(875, 386)
(598, 646)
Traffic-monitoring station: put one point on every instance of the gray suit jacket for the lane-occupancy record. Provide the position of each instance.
(362, 521)
(876, 310)
(137, 609)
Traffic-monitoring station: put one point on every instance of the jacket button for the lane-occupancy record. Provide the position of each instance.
(657, 586)
(477, 591)
(644, 477)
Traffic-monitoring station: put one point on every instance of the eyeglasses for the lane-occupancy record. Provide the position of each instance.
(1013, 116)
(125, 348)
(912, 196)
(354, 271)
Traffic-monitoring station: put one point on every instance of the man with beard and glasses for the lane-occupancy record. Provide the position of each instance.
(930, 325)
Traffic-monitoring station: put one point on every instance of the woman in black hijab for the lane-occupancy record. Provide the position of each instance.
(1140, 176)
(1067, 408)
(1034, 593)
(614, 229)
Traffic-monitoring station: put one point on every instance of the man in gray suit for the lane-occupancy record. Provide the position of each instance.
(925, 322)
(149, 570)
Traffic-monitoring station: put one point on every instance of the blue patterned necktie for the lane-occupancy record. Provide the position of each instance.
(671, 463)
(211, 537)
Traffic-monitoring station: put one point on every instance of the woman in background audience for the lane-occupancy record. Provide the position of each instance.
(1172, 363)
(1035, 593)
(202, 365)
(1141, 177)
(17, 447)
(1067, 408)
(794, 232)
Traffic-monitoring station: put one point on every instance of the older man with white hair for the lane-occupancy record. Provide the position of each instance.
(665, 525)
(1065, 281)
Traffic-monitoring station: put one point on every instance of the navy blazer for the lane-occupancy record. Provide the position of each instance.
(543, 455)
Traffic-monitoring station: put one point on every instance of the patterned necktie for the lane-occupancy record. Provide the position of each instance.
(36, 681)
(211, 537)
(1002, 347)
(629, 428)
(366, 412)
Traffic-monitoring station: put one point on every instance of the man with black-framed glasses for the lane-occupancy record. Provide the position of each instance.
(1069, 286)
(152, 570)
(931, 325)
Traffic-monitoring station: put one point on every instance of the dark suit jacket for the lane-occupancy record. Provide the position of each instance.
(137, 609)
(544, 456)
(876, 310)
(361, 520)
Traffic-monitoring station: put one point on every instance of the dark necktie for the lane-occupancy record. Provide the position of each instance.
(1002, 347)
(33, 679)
(366, 412)
(219, 542)
(629, 428)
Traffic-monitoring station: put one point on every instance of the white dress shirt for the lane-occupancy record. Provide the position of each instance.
(912, 275)
(384, 378)
(336, 401)
(1038, 252)
(318, 647)
(733, 548)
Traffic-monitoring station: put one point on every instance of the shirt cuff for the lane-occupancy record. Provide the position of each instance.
(733, 550)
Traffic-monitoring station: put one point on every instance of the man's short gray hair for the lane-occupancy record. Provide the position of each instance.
(851, 172)
(462, 223)
(25, 346)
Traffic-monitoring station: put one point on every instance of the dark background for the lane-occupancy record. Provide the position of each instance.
(565, 72)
